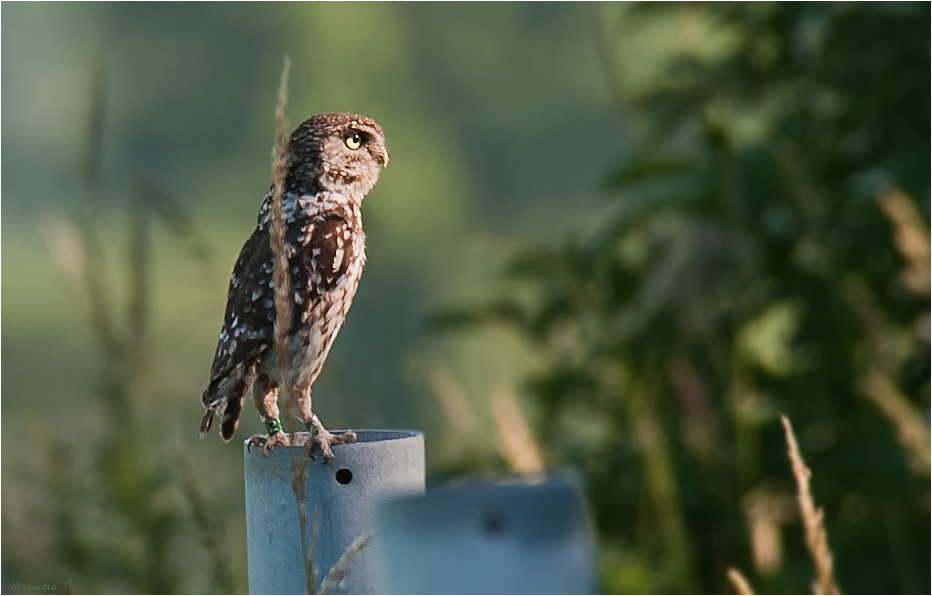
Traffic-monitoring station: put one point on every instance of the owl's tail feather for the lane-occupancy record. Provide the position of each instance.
(231, 416)
(228, 392)
(211, 406)
(206, 421)
(234, 403)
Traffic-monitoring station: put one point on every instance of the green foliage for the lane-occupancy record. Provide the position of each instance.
(748, 271)
(118, 519)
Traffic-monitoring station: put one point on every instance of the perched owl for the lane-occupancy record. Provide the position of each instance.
(333, 161)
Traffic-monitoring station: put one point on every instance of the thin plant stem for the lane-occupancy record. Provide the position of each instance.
(741, 584)
(813, 518)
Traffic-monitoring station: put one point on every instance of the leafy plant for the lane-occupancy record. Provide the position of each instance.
(747, 271)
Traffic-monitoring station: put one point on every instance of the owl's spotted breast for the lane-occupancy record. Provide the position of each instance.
(326, 276)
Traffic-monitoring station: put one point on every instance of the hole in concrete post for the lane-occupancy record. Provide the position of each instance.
(493, 525)
(344, 476)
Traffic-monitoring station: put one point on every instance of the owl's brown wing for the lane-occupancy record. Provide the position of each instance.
(249, 319)
(317, 251)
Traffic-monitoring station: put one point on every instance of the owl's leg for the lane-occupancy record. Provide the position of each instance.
(321, 437)
(265, 394)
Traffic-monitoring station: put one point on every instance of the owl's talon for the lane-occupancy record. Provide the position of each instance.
(269, 443)
(324, 439)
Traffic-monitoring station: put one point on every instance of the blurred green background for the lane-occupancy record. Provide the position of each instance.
(642, 231)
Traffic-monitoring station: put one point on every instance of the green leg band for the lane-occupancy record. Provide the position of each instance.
(273, 425)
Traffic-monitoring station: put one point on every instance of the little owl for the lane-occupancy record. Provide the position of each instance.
(333, 161)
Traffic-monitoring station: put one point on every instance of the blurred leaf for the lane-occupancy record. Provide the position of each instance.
(645, 170)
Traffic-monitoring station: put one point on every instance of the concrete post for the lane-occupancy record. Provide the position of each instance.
(512, 537)
(345, 492)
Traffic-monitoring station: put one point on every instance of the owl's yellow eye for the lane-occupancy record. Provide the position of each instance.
(353, 141)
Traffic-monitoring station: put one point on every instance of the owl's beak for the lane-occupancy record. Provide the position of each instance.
(383, 157)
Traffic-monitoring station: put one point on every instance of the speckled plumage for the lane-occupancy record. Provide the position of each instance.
(326, 181)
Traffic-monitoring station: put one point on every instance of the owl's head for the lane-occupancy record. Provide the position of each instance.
(340, 153)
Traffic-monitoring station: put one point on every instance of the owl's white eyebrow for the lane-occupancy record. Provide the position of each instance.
(360, 127)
